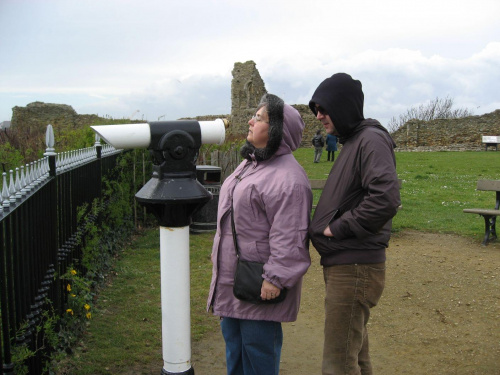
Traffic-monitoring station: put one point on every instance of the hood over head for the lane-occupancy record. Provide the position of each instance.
(342, 97)
(285, 130)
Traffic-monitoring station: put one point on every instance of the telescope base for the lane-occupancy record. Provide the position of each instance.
(188, 372)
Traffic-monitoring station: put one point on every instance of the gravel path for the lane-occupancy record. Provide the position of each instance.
(439, 314)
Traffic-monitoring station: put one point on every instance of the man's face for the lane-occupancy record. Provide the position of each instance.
(325, 119)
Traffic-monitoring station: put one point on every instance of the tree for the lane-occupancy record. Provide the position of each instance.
(10, 157)
(435, 109)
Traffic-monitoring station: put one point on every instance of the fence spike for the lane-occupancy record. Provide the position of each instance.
(38, 173)
(18, 186)
(5, 194)
(46, 167)
(28, 174)
(25, 180)
(12, 188)
(42, 169)
(23, 177)
(32, 174)
(49, 138)
(5, 187)
(63, 160)
(41, 164)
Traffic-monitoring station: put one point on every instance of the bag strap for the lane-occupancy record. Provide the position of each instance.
(233, 227)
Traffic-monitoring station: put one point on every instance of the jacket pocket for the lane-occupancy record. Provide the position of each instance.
(255, 251)
(319, 224)
(335, 215)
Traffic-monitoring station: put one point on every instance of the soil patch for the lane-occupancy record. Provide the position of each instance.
(439, 313)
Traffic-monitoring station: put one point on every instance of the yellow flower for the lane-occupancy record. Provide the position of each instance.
(87, 306)
(73, 295)
(68, 288)
(89, 315)
(73, 272)
(69, 311)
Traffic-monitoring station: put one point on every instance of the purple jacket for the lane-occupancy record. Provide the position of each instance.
(272, 204)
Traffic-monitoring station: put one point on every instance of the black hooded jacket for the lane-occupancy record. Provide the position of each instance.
(361, 194)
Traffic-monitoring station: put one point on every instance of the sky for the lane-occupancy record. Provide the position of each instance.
(154, 59)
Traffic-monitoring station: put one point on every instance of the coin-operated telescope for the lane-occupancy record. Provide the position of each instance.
(172, 195)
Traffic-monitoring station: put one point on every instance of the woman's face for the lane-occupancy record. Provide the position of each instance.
(258, 133)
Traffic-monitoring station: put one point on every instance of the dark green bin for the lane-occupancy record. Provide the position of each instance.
(205, 220)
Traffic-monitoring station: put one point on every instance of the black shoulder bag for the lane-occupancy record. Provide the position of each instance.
(248, 276)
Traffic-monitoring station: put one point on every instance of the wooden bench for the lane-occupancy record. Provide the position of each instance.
(317, 185)
(490, 216)
(490, 140)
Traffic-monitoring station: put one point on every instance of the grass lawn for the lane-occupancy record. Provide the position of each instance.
(125, 332)
(436, 187)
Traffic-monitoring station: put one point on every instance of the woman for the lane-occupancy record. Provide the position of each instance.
(271, 200)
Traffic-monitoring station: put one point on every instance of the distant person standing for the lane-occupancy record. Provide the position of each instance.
(318, 142)
(331, 146)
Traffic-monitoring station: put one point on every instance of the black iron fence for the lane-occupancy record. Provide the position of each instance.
(41, 234)
(45, 208)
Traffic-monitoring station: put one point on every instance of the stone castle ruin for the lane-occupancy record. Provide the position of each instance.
(247, 87)
(37, 115)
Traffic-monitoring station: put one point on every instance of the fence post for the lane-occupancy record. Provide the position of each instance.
(50, 151)
(98, 146)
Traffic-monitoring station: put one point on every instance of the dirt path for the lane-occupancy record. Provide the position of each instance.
(440, 313)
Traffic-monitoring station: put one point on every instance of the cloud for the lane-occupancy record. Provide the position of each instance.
(176, 58)
(396, 79)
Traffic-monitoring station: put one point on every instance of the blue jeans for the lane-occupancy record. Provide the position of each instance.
(253, 347)
(351, 291)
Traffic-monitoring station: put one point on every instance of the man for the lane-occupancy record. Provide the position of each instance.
(351, 225)
(318, 143)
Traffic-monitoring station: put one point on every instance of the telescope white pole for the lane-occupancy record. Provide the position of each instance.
(175, 299)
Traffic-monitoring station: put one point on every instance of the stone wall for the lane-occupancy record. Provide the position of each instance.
(447, 134)
(312, 124)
